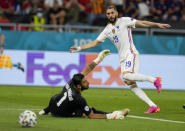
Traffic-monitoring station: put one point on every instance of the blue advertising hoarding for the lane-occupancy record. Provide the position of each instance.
(53, 41)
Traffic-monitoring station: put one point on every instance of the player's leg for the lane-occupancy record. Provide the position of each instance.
(130, 67)
(49, 108)
(45, 111)
(137, 91)
(133, 75)
(142, 96)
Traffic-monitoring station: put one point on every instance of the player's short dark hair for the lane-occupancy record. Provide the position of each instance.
(111, 7)
(77, 79)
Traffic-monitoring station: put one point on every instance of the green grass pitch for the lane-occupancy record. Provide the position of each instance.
(14, 99)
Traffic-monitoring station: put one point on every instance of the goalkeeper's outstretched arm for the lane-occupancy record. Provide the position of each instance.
(95, 62)
(121, 114)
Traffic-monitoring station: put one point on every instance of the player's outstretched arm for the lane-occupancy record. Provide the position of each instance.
(141, 23)
(114, 115)
(95, 62)
(86, 46)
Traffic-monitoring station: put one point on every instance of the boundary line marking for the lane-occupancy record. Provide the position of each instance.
(156, 119)
(9, 109)
(131, 116)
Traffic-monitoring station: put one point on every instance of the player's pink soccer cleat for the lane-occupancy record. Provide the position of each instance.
(157, 84)
(153, 109)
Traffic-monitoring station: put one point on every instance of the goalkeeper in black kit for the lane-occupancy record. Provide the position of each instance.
(70, 102)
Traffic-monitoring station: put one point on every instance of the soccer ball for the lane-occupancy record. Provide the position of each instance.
(27, 119)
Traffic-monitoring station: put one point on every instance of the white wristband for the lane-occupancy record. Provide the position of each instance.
(108, 116)
(78, 48)
(97, 61)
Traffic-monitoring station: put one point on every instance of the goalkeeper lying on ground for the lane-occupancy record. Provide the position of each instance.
(70, 102)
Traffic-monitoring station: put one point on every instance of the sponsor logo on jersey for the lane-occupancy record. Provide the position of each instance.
(117, 27)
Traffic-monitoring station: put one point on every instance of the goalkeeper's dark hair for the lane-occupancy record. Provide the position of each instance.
(77, 79)
(111, 7)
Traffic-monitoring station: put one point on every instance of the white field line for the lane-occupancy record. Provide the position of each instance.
(156, 119)
(131, 116)
(9, 109)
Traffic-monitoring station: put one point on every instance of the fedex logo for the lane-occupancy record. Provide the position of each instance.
(113, 74)
(49, 69)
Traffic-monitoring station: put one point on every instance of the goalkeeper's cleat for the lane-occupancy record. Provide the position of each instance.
(153, 109)
(157, 84)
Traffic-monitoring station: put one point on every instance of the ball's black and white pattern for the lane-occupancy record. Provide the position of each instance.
(27, 119)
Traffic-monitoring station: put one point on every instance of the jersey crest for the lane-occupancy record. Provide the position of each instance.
(113, 31)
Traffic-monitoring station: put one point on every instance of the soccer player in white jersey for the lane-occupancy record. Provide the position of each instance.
(119, 32)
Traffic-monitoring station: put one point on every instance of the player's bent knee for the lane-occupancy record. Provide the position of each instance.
(130, 82)
(124, 74)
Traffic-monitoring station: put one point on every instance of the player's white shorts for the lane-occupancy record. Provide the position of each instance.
(131, 63)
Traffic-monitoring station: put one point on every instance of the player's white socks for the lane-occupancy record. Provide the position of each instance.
(138, 77)
(141, 94)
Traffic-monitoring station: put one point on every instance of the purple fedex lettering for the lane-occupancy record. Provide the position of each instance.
(47, 73)
(31, 66)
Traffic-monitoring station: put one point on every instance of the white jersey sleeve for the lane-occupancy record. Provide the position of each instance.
(102, 36)
(129, 21)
